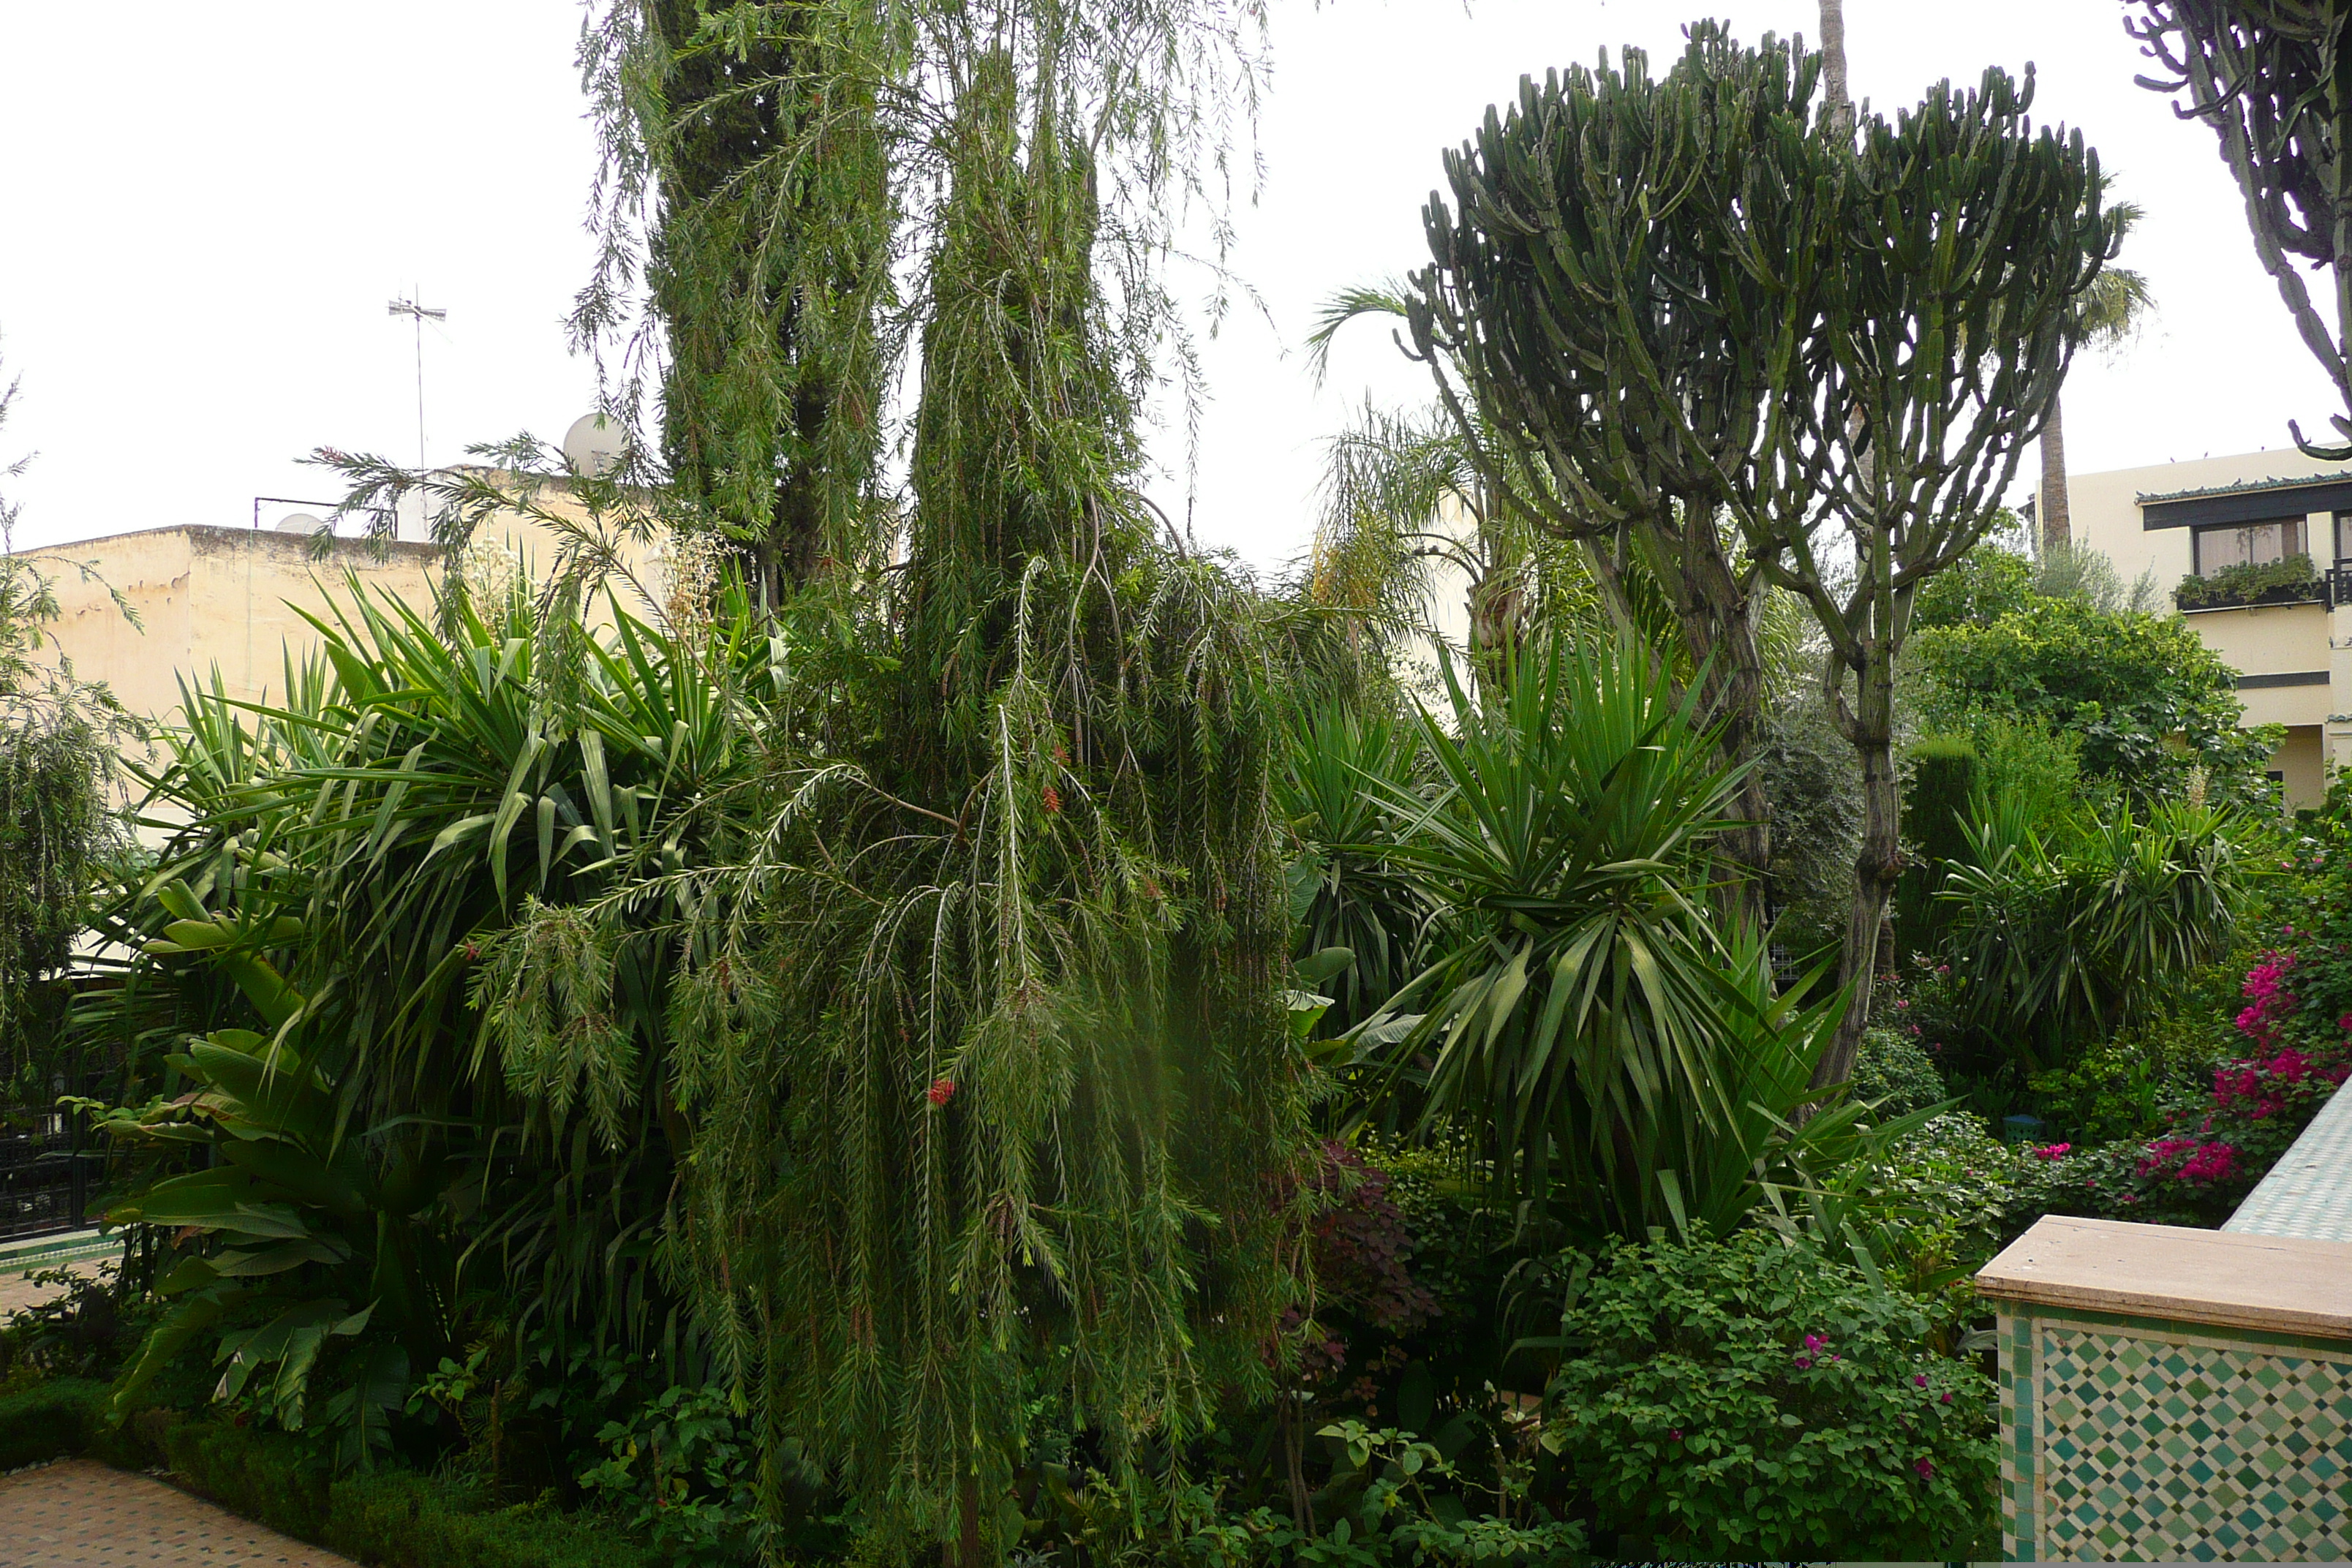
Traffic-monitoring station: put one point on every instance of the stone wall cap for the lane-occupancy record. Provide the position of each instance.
(2285, 1284)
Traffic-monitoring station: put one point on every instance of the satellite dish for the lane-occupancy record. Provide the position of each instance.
(593, 444)
(300, 522)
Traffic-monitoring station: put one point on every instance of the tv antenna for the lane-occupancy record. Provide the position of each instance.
(418, 314)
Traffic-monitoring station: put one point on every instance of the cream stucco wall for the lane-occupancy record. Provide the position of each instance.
(2268, 640)
(227, 600)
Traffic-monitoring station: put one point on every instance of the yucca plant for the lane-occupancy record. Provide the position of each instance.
(1346, 765)
(2062, 937)
(1621, 1059)
(421, 786)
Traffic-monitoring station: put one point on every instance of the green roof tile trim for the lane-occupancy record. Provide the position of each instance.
(2308, 1192)
(2245, 487)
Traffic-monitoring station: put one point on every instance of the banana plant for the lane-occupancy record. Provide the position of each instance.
(307, 1230)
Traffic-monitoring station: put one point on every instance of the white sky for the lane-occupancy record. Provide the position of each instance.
(200, 239)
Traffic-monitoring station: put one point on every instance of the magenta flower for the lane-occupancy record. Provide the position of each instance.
(1947, 1397)
(1919, 1380)
(1924, 1470)
(1674, 1433)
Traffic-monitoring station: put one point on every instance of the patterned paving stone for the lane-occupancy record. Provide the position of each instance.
(80, 1514)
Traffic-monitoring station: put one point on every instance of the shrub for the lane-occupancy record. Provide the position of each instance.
(684, 1469)
(2148, 698)
(52, 1419)
(395, 1518)
(403, 1520)
(2125, 1086)
(1894, 1072)
(1753, 1397)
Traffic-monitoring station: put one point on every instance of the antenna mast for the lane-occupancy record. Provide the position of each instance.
(419, 315)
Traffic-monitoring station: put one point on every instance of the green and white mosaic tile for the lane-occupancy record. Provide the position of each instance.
(2309, 1191)
(2160, 1442)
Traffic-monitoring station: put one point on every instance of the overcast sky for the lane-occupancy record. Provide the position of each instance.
(197, 241)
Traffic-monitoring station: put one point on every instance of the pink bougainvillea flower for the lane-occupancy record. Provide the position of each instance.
(1674, 1434)
(942, 1089)
(1924, 1468)
(1918, 1380)
(2053, 1151)
(1804, 1363)
(1947, 1397)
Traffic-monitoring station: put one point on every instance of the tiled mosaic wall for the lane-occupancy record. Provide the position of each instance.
(2129, 1440)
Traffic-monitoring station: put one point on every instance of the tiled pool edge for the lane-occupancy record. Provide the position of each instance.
(2309, 1191)
(2171, 1394)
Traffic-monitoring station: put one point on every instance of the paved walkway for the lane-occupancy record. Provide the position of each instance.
(83, 1514)
(81, 1250)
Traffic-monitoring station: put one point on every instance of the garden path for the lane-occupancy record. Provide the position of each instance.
(83, 1514)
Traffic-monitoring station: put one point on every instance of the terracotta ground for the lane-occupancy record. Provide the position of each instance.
(78, 1512)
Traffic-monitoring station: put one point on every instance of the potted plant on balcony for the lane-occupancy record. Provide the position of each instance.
(2292, 580)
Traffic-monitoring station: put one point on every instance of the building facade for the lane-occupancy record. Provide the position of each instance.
(2228, 540)
(229, 604)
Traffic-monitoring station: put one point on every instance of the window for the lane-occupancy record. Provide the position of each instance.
(2249, 544)
(2344, 538)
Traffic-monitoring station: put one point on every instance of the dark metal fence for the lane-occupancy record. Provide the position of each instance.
(47, 1173)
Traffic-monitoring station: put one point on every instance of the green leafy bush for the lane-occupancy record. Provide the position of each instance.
(1753, 1397)
(2124, 1087)
(2148, 698)
(1893, 1072)
(60, 1416)
(684, 1469)
(395, 1518)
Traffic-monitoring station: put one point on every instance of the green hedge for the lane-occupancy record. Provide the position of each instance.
(395, 1518)
(61, 1418)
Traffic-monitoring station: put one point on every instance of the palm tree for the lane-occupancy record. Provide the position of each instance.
(2113, 309)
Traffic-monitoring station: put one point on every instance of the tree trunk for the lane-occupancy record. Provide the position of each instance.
(1834, 77)
(968, 1553)
(1878, 866)
(2056, 524)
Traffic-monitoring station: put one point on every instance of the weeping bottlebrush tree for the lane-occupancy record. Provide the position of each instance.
(747, 180)
(980, 1041)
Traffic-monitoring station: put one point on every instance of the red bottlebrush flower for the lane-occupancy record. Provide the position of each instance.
(942, 1089)
(1052, 798)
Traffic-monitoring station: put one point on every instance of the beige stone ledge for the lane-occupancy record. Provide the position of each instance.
(2274, 1284)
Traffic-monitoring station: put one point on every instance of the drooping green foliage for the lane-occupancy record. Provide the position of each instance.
(62, 744)
(978, 1030)
(747, 175)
